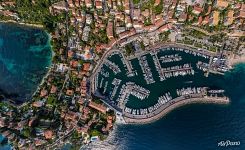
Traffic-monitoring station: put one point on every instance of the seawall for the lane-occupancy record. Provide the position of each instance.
(172, 106)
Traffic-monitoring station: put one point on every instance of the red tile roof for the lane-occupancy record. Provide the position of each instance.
(98, 107)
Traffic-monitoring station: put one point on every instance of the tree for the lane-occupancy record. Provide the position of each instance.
(26, 132)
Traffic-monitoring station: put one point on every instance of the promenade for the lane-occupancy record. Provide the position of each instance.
(167, 107)
(163, 46)
(171, 105)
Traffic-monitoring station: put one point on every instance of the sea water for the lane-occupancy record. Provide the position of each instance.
(191, 127)
(25, 55)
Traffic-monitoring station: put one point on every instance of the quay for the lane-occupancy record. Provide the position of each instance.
(151, 49)
(179, 47)
(171, 105)
(158, 66)
(166, 102)
(115, 68)
(146, 70)
(116, 82)
(128, 64)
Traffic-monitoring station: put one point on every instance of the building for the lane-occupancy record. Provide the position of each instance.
(109, 30)
(205, 20)
(48, 134)
(127, 6)
(136, 14)
(2, 122)
(214, 18)
(128, 21)
(164, 28)
(43, 93)
(86, 67)
(62, 5)
(98, 107)
(241, 11)
(98, 4)
(85, 35)
(221, 4)
(182, 17)
(88, 3)
(197, 10)
(157, 2)
(69, 92)
(37, 104)
(229, 18)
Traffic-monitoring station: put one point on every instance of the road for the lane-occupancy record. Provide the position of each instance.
(66, 78)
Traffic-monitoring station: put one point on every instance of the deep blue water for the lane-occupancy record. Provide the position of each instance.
(191, 127)
(25, 54)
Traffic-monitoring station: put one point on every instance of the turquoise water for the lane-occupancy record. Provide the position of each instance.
(25, 55)
(4, 147)
(193, 127)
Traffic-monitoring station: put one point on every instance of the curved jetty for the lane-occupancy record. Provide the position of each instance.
(146, 86)
(171, 105)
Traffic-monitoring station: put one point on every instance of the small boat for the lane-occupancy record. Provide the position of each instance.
(189, 82)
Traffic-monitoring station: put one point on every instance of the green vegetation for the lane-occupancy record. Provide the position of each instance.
(242, 39)
(51, 100)
(103, 36)
(164, 35)
(147, 22)
(198, 45)
(196, 34)
(158, 9)
(129, 49)
(205, 10)
(36, 12)
(188, 41)
(189, 10)
(2, 17)
(136, 1)
(213, 48)
(26, 132)
(142, 45)
(95, 132)
(217, 37)
(120, 8)
(76, 135)
(147, 5)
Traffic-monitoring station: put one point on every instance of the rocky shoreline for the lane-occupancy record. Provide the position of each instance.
(22, 23)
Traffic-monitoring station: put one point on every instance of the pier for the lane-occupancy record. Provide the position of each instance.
(171, 105)
(133, 89)
(167, 100)
(146, 70)
(158, 66)
(176, 71)
(116, 83)
(128, 65)
(115, 68)
(170, 58)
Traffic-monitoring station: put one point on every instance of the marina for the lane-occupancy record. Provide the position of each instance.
(116, 82)
(145, 86)
(146, 70)
(113, 66)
